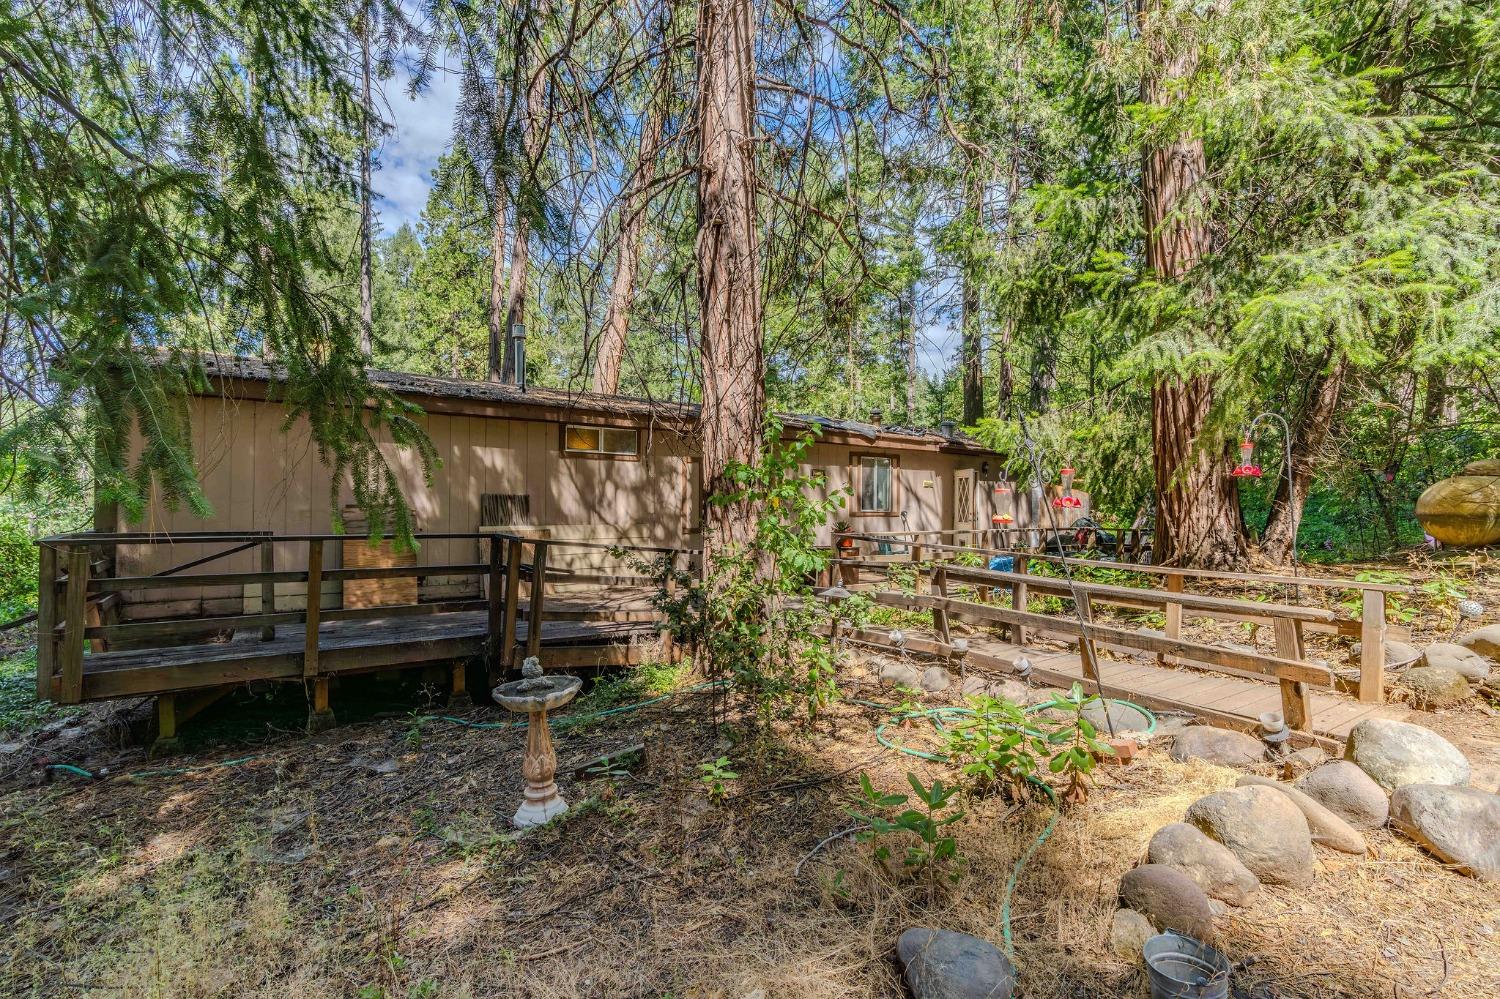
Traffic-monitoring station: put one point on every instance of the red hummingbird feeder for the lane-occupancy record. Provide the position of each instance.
(1004, 506)
(1247, 468)
(1067, 500)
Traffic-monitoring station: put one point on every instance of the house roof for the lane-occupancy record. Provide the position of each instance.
(408, 384)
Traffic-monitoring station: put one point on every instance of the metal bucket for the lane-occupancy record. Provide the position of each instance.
(1183, 968)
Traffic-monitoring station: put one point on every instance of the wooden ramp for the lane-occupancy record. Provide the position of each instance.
(1228, 700)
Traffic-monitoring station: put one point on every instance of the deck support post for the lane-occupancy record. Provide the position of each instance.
(458, 691)
(669, 652)
(1372, 646)
(939, 613)
(166, 725)
(46, 621)
(1296, 698)
(314, 607)
(320, 716)
(1086, 654)
(538, 594)
(71, 655)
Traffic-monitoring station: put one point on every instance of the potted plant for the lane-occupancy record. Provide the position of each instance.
(846, 544)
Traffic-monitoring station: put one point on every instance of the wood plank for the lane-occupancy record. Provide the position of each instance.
(1372, 647)
(1296, 699)
(70, 656)
(314, 607)
(46, 620)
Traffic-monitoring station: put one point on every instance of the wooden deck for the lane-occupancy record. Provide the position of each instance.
(1230, 700)
(355, 647)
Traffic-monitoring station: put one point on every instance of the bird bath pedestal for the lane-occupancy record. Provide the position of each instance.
(535, 695)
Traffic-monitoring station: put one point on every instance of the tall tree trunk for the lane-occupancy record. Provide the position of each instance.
(728, 259)
(1197, 506)
(852, 338)
(632, 222)
(907, 308)
(520, 256)
(1005, 389)
(498, 239)
(971, 336)
(366, 225)
(1308, 439)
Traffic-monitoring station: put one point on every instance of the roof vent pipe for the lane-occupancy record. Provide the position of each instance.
(947, 427)
(876, 416)
(518, 352)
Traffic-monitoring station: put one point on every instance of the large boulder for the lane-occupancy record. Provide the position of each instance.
(1223, 746)
(1348, 792)
(1326, 827)
(1465, 662)
(1485, 641)
(897, 674)
(1169, 899)
(1263, 828)
(1211, 864)
(941, 964)
(1435, 687)
(1396, 753)
(935, 680)
(1458, 825)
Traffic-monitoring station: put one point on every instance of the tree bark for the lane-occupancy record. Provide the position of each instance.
(906, 307)
(632, 221)
(1005, 389)
(498, 238)
(366, 223)
(1309, 437)
(971, 359)
(1197, 506)
(728, 260)
(520, 257)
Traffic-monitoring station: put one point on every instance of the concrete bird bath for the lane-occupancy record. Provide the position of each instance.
(535, 695)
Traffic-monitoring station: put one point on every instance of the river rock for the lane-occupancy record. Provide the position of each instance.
(1466, 662)
(1458, 825)
(1169, 899)
(1326, 828)
(1223, 746)
(1210, 863)
(1435, 687)
(1128, 934)
(1263, 828)
(941, 964)
(1396, 753)
(1485, 641)
(1348, 792)
(935, 680)
(1303, 761)
(1398, 655)
(894, 674)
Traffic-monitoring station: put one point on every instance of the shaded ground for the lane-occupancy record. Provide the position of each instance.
(375, 860)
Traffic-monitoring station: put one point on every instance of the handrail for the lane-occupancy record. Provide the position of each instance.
(1163, 570)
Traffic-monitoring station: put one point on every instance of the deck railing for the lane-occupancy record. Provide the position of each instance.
(1170, 597)
(77, 589)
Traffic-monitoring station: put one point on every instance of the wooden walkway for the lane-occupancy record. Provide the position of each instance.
(355, 646)
(1224, 699)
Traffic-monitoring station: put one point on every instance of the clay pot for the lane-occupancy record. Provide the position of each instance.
(1462, 510)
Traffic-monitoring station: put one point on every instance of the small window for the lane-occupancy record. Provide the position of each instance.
(875, 484)
(601, 441)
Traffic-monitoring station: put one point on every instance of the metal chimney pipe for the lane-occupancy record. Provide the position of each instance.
(518, 351)
(947, 427)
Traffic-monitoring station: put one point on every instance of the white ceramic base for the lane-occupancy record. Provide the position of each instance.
(532, 813)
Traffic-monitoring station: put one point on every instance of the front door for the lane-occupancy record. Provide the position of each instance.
(964, 521)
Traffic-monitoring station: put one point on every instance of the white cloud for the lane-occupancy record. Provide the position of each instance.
(422, 129)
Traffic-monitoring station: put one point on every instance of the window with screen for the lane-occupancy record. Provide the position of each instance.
(875, 483)
(608, 442)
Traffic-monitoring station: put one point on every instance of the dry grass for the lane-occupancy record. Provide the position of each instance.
(303, 873)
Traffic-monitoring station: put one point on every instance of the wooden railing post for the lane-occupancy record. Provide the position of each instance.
(1296, 698)
(1086, 643)
(314, 607)
(71, 655)
(1018, 599)
(268, 589)
(940, 613)
(1372, 646)
(664, 633)
(1173, 627)
(46, 621)
(538, 595)
(494, 663)
(514, 552)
